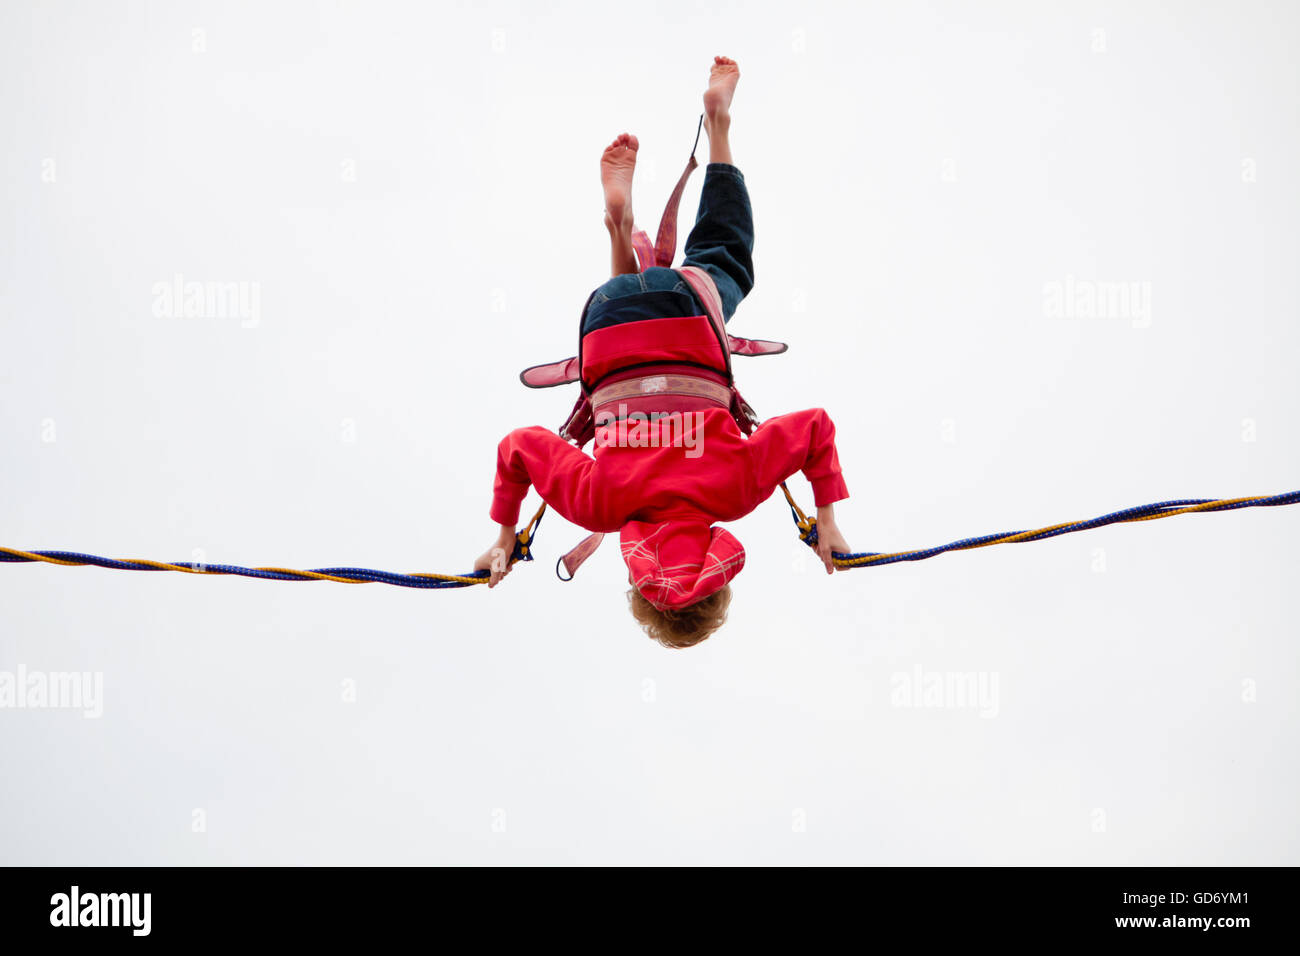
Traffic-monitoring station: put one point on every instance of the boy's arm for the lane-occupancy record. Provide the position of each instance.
(804, 441)
(799, 441)
(538, 457)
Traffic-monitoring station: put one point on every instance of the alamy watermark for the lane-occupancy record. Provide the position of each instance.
(626, 429)
(954, 690)
(77, 908)
(24, 689)
(189, 299)
(1073, 298)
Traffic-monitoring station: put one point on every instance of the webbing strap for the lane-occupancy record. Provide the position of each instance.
(664, 249)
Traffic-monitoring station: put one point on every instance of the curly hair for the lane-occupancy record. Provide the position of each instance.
(681, 627)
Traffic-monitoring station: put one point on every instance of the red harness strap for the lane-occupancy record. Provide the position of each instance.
(665, 247)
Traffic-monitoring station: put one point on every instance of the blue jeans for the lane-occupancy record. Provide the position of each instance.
(721, 243)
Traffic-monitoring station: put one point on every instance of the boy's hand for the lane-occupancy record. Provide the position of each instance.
(497, 558)
(829, 538)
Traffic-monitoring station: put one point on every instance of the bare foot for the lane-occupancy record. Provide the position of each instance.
(723, 77)
(616, 167)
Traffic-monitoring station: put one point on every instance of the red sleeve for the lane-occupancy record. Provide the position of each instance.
(557, 469)
(800, 441)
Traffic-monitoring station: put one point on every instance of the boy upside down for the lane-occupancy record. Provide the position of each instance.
(663, 497)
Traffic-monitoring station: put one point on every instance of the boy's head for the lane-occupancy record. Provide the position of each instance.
(681, 627)
(679, 571)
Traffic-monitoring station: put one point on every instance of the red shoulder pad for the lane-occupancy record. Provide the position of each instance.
(551, 374)
(741, 346)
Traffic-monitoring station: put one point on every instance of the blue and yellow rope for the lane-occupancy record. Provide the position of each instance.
(1165, 509)
(522, 552)
(524, 539)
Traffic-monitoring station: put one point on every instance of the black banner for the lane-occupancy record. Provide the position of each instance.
(1173, 906)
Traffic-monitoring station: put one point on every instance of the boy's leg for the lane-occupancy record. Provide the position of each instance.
(616, 167)
(723, 77)
(722, 240)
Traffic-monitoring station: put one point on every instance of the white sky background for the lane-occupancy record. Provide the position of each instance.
(919, 173)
